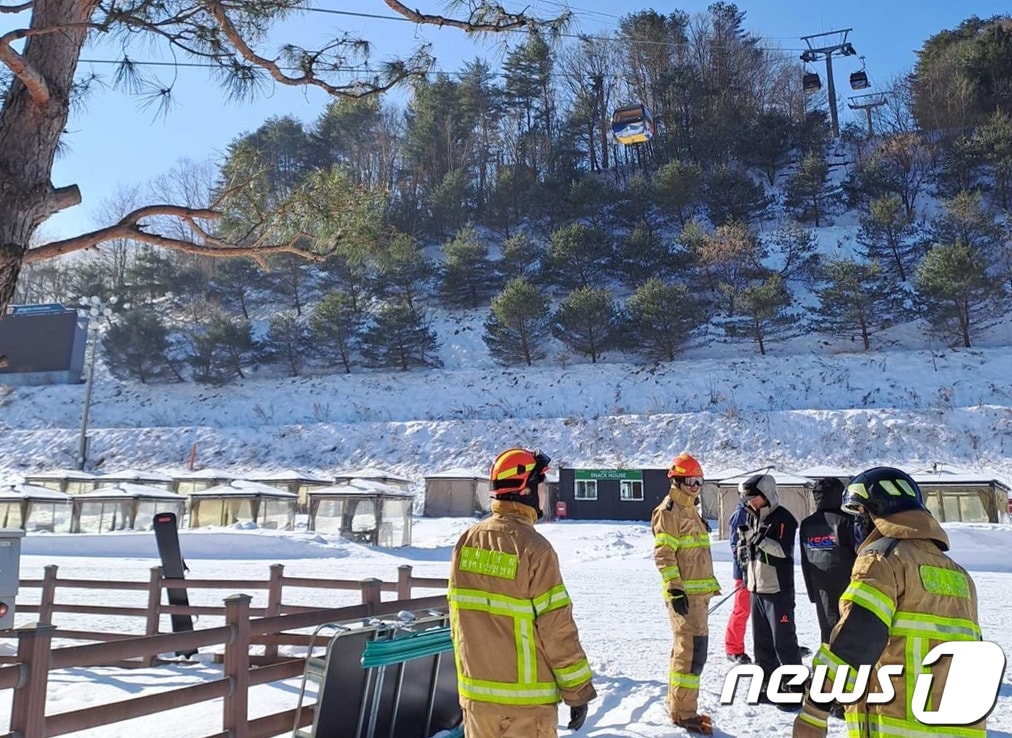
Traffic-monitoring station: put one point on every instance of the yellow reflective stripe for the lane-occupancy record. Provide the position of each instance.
(678, 679)
(923, 625)
(700, 586)
(857, 490)
(553, 599)
(897, 488)
(670, 572)
(666, 539)
(496, 604)
(572, 676)
(832, 662)
(527, 654)
(812, 720)
(872, 599)
(539, 693)
(513, 471)
(881, 725)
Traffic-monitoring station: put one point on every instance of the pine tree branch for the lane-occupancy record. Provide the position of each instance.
(131, 228)
(484, 19)
(17, 8)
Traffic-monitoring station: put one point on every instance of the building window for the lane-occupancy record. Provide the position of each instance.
(586, 489)
(632, 489)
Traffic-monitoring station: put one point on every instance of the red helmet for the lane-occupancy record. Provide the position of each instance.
(685, 465)
(516, 471)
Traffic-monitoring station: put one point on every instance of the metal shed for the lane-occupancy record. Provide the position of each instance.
(364, 511)
(953, 494)
(374, 474)
(795, 495)
(242, 501)
(135, 476)
(71, 481)
(123, 507)
(30, 507)
(291, 480)
(201, 479)
(456, 493)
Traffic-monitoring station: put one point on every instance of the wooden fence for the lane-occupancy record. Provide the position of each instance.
(35, 658)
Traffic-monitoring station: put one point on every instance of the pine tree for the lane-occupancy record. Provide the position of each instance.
(808, 188)
(521, 255)
(579, 256)
(219, 348)
(797, 249)
(887, 236)
(731, 196)
(235, 282)
(288, 340)
(858, 298)
(468, 276)
(398, 338)
(336, 327)
(402, 270)
(661, 319)
(642, 254)
(955, 290)
(764, 311)
(588, 321)
(678, 188)
(137, 345)
(518, 324)
(731, 257)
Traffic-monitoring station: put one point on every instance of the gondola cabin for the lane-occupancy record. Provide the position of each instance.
(632, 124)
(811, 83)
(859, 80)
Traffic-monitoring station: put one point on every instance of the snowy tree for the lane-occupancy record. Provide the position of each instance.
(518, 324)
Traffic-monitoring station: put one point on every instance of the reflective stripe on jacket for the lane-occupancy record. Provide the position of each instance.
(515, 641)
(682, 546)
(905, 597)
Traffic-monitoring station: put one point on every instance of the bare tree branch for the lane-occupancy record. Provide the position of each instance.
(29, 75)
(130, 227)
(485, 18)
(17, 8)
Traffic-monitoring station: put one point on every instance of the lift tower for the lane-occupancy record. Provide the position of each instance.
(812, 53)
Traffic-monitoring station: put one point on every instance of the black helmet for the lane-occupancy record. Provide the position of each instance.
(883, 491)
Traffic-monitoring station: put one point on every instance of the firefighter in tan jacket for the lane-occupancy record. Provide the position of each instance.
(515, 642)
(906, 596)
(682, 554)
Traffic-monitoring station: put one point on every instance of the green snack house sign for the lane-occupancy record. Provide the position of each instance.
(616, 474)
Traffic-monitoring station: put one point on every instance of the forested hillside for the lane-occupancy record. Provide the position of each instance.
(503, 190)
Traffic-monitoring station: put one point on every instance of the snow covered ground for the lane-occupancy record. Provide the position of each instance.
(608, 568)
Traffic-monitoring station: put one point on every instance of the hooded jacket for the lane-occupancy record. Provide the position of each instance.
(770, 539)
(827, 543)
(682, 546)
(515, 640)
(906, 596)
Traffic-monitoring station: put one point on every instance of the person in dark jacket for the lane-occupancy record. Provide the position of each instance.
(767, 548)
(827, 552)
(734, 635)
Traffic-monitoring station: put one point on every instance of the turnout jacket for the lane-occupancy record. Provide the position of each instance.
(906, 596)
(515, 641)
(682, 546)
(770, 542)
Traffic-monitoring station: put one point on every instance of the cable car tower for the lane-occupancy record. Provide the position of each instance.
(867, 103)
(812, 54)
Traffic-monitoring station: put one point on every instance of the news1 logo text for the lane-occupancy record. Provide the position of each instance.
(976, 669)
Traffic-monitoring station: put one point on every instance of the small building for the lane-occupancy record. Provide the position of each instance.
(373, 474)
(456, 493)
(611, 494)
(201, 479)
(822, 471)
(709, 495)
(71, 481)
(242, 501)
(32, 508)
(368, 512)
(795, 494)
(960, 495)
(134, 476)
(290, 480)
(123, 507)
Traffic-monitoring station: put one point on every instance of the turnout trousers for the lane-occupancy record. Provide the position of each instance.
(489, 720)
(688, 656)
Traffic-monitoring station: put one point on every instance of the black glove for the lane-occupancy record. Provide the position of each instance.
(577, 714)
(679, 602)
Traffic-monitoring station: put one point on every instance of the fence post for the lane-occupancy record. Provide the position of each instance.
(28, 706)
(235, 719)
(404, 582)
(154, 608)
(274, 590)
(47, 598)
(371, 594)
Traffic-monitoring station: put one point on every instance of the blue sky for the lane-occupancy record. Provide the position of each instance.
(114, 143)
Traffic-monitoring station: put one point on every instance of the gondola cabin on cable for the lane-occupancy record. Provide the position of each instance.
(632, 124)
(859, 80)
(811, 83)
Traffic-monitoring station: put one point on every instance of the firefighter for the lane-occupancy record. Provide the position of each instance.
(734, 635)
(682, 554)
(905, 597)
(515, 642)
(827, 552)
(767, 549)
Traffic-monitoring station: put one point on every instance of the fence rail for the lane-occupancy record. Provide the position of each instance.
(36, 657)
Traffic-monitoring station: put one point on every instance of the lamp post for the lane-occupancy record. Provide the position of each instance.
(95, 309)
